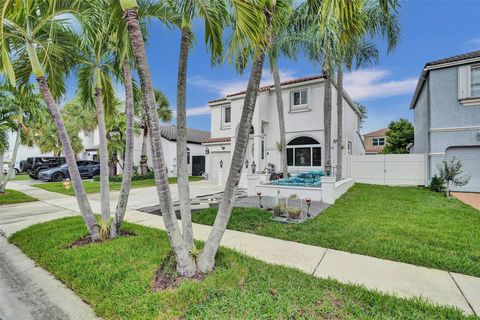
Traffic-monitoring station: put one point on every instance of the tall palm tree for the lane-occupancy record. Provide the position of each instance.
(25, 106)
(164, 114)
(95, 86)
(213, 12)
(37, 36)
(272, 15)
(334, 25)
(357, 49)
(6, 125)
(123, 53)
(247, 27)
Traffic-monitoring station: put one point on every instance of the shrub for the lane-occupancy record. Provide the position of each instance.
(294, 213)
(450, 172)
(437, 184)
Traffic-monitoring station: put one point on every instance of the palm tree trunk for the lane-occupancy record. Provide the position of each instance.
(206, 260)
(327, 116)
(182, 162)
(144, 156)
(104, 167)
(128, 161)
(80, 194)
(339, 123)
(281, 117)
(185, 262)
(2, 157)
(11, 166)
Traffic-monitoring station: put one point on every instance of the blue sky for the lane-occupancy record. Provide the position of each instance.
(430, 30)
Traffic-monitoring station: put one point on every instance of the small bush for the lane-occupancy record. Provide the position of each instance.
(294, 213)
(437, 184)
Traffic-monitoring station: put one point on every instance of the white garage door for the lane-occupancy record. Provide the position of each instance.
(216, 157)
(470, 157)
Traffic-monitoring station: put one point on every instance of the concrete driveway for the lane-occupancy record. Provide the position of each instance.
(470, 198)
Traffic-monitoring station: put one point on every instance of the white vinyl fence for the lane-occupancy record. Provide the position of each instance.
(389, 169)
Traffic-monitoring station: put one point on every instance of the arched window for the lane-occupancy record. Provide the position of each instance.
(304, 152)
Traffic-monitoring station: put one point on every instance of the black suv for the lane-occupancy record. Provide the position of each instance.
(37, 164)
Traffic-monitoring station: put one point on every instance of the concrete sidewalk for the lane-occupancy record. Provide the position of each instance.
(396, 278)
(28, 292)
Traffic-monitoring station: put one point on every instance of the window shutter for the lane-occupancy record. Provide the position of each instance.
(463, 82)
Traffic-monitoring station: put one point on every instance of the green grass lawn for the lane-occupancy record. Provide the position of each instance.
(115, 278)
(94, 186)
(22, 176)
(12, 196)
(407, 224)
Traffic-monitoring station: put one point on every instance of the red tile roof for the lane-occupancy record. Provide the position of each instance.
(267, 88)
(377, 133)
(214, 140)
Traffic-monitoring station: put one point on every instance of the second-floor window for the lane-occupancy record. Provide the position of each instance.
(475, 82)
(378, 142)
(227, 116)
(469, 85)
(299, 100)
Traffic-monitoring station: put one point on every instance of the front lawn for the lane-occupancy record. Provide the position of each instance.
(94, 186)
(12, 196)
(115, 278)
(407, 224)
(21, 176)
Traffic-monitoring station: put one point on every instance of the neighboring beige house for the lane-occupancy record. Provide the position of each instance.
(375, 141)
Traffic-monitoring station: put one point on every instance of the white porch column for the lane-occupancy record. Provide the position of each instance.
(328, 187)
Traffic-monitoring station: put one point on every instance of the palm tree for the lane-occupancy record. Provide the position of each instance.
(213, 13)
(378, 22)
(333, 26)
(95, 86)
(25, 107)
(6, 125)
(123, 53)
(246, 28)
(164, 114)
(37, 36)
(271, 16)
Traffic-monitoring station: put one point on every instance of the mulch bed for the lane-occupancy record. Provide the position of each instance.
(166, 277)
(88, 239)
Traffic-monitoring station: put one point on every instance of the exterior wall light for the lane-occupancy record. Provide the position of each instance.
(246, 164)
(221, 163)
(207, 152)
(328, 169)
(253, 167)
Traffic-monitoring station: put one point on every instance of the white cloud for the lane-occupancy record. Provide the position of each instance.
(195, 111)
(198, 111)
(371, 84)
(473, 43)
(226, 87)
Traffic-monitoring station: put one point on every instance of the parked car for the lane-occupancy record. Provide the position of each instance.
(36, 164)
(87, 168)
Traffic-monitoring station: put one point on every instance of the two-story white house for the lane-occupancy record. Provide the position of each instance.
(304, 126)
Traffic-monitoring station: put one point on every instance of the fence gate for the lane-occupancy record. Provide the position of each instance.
(389, 169)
